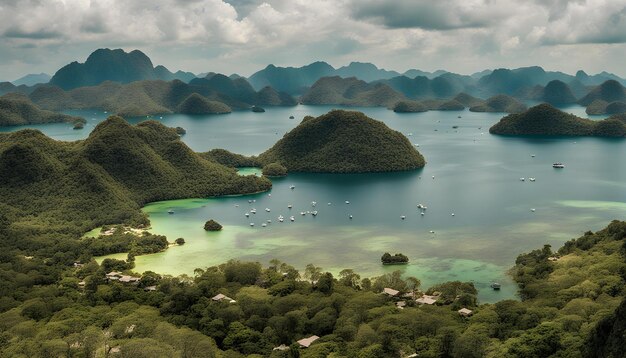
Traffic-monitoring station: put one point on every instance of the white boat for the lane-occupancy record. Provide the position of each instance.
(264, 225)
(251, 224)
(170, 211)
(292, 218)
(269, 221)
(522, 179)
(421, 207)
(402, 217)
(533, 210)
(249, 201)
(558, 165)
(292, 187)
(350, 216)
(236, 205)
(422, 213)
(302, 213)
(314, 213)
(347, 202)
(313, 203)
(253, 211)
(452, 214)
(289, 206)
(281, 218)
(531, 179)
(247, 214)
(267, 209)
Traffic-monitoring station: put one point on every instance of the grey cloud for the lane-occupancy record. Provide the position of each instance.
(424, 14)
(42, 34)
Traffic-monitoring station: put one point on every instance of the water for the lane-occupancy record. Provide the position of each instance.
(476, 177)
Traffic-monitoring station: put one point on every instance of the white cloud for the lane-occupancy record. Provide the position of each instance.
(244, 35)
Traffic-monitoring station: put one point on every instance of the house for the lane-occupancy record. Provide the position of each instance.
(78, 264)
(81, 284)
(282, 347)
(553, 258)
(401, 304)
(427, 300)
(306, 342)
(129, 279)
(150, 288)
(220, 297)
(390, 292)
(465, 312)
(114, 275)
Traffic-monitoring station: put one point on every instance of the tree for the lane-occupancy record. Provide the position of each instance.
(180, 241)
(212, 225)
(348, 277)
(312, 273)
(325, 283)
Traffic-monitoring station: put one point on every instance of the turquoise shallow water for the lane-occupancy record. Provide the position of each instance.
(476, 177)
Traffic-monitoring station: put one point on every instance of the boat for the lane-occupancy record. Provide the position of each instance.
(496, 286)
(251, 224)
(253, 211)
(292, 218)
(302, 213)
(267, 209)
(531, 179)
(533, 210)
(170, 211)
(347, 202)
(314, 213)
(281, 218)
(292, 187)
(289, 206)
(247, 214)
(350, 216)
(269, 221)
(264, 225)
(422, 213)
(402, 217)
(558, 165)
(421, 207)
(313, 203)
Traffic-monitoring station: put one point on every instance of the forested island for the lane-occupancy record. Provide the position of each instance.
(343, 142)
(544, 119)
(19, 110)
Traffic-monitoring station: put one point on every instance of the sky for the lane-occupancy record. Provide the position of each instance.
(243, 36)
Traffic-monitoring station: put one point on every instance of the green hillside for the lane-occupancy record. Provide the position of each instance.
(198, 104)
(500, 103)
(343, 142)
(71, 187)
(351, 92)
(547, 120)
(19, 110)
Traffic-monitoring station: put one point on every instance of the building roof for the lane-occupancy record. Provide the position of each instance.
(390, 291)
(221, 297)
(465, 312)
(427, 300)
(150, 288)
(282, 347)
(306, 342)
(126, 278)
(400, 304)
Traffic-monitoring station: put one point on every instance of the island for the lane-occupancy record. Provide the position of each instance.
(397, 259)
(212, 225)
(106, 176)
(198, 104)
(274, 170)
(546, 120)
(500, 103)
(343, 142)
(20, 110)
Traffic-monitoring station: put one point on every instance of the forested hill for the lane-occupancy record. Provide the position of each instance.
(70, 187)
(544, 119)
(343, 142)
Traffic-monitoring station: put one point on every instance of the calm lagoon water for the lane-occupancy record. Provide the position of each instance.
(476, 177)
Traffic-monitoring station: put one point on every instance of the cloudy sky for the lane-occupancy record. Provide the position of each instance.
(242, 36)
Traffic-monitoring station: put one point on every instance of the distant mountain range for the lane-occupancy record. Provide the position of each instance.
(357, 84)
(113, 65)
(32, 79)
